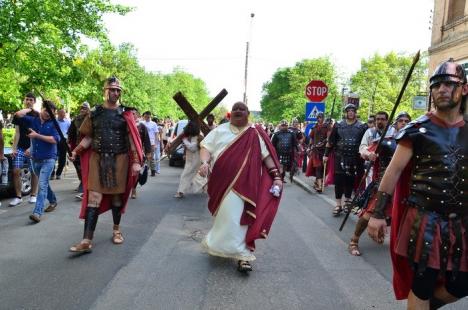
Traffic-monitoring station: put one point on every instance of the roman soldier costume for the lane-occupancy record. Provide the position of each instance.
(285, 144)
(107, 163)
(318, 140)
(429, 235)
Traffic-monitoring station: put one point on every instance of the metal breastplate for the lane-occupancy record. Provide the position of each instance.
(285, 142)
(110, 133)
(386, 151)
(350, 139)
(440, 171)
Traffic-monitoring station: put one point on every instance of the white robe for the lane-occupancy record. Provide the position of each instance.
(227, 237)
(192, 164)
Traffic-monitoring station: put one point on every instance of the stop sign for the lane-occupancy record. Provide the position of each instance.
(316, 91)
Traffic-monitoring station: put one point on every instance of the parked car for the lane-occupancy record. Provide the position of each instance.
(7, 188)
(176, 157)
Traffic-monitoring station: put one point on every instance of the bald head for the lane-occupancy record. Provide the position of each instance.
(240, 114)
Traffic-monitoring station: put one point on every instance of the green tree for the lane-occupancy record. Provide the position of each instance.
(380, 79)
(284, 96)
(39, 41)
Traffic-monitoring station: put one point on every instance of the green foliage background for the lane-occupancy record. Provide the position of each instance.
(377, 83)
(42, 50)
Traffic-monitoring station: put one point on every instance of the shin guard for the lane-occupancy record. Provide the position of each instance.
(91, 218)
(361, 226)
(116, 214)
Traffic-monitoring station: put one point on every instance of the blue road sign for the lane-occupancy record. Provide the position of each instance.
(313, 109)
(309, 128)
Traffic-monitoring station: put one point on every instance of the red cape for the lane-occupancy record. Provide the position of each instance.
(131, 180)
(330, 172)
(402, 272)
(240, 168)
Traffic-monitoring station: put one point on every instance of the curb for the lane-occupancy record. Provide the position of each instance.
(308, 189)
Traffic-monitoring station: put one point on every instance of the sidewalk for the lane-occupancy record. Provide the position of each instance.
(305, 183)
(328, 194)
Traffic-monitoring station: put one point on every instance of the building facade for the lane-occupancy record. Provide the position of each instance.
(449, 33)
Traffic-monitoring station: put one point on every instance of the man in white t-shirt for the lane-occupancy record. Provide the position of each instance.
(153, 132)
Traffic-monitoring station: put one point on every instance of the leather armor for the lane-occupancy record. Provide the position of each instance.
(440, 166)
(347, 147)
(110, 133)
(386, 151)
(284, 145)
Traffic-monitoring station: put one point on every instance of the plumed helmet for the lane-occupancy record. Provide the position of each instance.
(112, 82)
(350, 106)
(448, 71)
(284, 122)
(403, 114)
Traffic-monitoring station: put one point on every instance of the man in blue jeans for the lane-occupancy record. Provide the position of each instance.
(44, 138)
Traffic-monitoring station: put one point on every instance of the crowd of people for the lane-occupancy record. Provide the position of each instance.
(408, 174)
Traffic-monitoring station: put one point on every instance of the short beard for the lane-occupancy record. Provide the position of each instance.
(446, 107)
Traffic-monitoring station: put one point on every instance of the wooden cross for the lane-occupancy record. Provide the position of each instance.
(192, 115)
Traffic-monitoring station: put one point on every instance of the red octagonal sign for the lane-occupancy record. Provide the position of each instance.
(316, 91)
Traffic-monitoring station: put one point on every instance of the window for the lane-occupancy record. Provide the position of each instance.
(456, 10)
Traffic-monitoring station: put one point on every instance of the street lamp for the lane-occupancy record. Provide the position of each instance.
(252, 15)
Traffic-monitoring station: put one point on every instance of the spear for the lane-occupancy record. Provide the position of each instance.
(384, 133)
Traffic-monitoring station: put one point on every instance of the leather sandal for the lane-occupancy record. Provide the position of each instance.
(117, 237)
(82, 247)
(353, 248)
(244, 266)
(337, 210)
(179, 195)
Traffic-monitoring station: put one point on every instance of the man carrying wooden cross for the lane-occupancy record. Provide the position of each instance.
(244, 186)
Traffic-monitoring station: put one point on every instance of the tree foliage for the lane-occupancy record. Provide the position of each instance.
(380, 79)
(284, 96)
(41, 49)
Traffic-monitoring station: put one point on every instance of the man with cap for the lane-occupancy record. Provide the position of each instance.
(427, 184)
(318, 139)
(285, 144)
(345, 139)
(74, 138)
(111, 160)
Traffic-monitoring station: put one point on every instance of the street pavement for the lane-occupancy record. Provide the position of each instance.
(304, 264)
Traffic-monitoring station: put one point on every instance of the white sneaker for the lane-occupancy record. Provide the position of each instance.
(16, 201)
(32, 199)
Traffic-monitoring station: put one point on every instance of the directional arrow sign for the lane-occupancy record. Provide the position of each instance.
(313, 109)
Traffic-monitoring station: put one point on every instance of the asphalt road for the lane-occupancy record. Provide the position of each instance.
(303, 265)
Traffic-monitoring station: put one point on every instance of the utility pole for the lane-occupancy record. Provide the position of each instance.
(252, 15)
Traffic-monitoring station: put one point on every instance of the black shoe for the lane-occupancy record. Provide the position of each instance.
(153, 173)
(52, 176)
(58, 177)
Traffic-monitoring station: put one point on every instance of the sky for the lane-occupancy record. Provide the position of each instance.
(207, 38)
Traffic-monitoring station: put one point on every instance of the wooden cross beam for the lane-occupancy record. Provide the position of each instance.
(192, 115)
